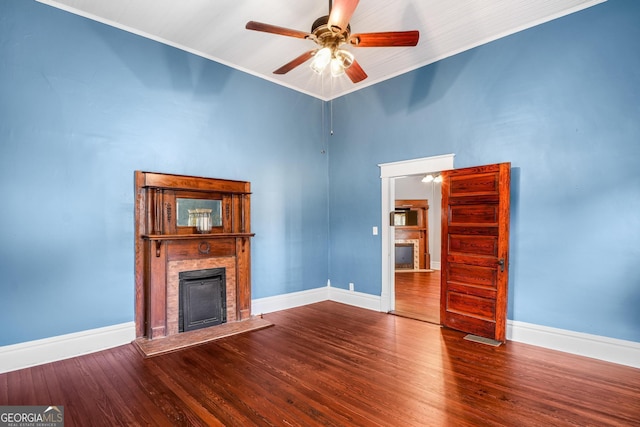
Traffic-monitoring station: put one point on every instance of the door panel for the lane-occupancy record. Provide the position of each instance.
(475, 249)
(472, 275)
(460, 244)
(480, 306)
(474, 214)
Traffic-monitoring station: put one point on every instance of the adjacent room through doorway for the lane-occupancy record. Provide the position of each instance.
(416, 235)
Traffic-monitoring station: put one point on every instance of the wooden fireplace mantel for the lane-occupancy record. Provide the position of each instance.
(163, 245)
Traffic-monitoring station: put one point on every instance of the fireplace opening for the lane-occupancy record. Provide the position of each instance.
(203, 301)
(404, 255)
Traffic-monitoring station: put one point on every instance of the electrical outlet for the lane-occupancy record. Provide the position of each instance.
(351, 288)
(375, 231)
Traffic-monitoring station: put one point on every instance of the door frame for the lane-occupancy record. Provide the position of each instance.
(389, 172)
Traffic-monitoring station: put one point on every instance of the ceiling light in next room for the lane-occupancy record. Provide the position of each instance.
(430, 178)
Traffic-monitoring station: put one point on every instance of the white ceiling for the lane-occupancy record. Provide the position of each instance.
(215, 29)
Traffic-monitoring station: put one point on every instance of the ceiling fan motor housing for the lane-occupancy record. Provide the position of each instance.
(329, 37)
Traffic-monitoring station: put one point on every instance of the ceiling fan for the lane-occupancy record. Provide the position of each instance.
(330, 33)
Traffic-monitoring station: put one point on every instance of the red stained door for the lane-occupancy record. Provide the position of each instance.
(475, 249)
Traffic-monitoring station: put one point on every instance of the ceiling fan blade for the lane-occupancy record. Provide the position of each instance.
(385, 39)
(298, 61)
(355, 72)
(274, 29)
(341, 12)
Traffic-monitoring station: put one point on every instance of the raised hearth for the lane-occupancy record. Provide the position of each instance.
(150, 348)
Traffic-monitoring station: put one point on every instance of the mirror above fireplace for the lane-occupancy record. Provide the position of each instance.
(187, 208)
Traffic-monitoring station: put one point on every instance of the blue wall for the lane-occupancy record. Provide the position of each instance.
(561, 102)
(83, 105)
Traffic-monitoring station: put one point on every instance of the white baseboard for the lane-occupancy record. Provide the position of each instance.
(358, 299)
(38, 352)
(297, 299)
(435, 265)
(286, 301)
(594, 346)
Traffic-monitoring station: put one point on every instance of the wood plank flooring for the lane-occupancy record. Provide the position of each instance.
(337, 365)
(418, 295)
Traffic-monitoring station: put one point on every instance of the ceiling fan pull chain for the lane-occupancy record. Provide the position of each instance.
(331, 116)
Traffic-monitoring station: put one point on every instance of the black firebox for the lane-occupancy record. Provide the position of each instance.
(203, 300)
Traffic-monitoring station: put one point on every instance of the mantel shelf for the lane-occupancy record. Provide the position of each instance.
(195, 236)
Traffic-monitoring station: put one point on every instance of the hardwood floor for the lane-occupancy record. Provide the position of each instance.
(418, 295)
(333, 364)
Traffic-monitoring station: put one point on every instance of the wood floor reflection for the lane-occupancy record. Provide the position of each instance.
(418, 295)
(331, 364)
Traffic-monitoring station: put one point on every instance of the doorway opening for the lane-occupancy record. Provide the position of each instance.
(412, 293)
(417, 247)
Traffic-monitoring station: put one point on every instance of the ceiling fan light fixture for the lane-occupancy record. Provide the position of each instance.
(345, 57)
(341, 60)
(321, 59)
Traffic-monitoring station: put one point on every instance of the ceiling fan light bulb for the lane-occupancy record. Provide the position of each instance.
(320, 60)
(346, 58)
(337, 68)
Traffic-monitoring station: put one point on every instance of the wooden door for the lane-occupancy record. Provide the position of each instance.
(475, 249)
